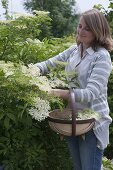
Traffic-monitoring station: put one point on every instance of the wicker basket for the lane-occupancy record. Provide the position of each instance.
(60, 123)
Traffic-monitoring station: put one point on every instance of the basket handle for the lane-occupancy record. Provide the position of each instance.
(74, 111)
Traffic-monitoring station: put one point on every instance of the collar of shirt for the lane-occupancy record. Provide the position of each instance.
(89, 50)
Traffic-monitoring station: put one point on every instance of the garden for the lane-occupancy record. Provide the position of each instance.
(26, 140)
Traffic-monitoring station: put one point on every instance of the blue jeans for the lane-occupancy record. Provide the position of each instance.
(1, 167)
(84, 151)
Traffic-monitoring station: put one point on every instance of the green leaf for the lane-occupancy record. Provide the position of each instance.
(11, 116)
(6, 122)
(1, 115)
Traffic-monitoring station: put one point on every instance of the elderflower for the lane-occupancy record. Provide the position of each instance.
(34, 41)
(8, 68)
(25, 15)
(23, 77)
(42, 82)
(58, 83)
(41, 12)
(8, 73)
(88, 114)
(31, 70)
(40, 110)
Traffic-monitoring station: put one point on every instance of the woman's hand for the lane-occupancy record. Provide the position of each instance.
(64, 94)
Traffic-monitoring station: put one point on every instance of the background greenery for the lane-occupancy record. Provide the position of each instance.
(26, 144)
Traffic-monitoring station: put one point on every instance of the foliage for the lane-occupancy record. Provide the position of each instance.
(64, 17)
(109, 15)
(107, 164)
(5, 6)
(15, 34)
(20, 40)
(24, 142)
(108, 151)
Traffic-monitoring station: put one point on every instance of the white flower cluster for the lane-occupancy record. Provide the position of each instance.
(39, 107)
(40, 110)
(88, 114)
(25, 15)
(5, 21)
(58, 83)
(35, 41)
(42, 82)
(41, 12)
(31, 70)
(7, 68)
(37, 80)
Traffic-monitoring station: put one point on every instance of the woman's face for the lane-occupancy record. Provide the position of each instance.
(84, 34)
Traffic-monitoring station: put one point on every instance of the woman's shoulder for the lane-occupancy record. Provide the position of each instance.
(73, 47)
(103, 56)
(103, 52)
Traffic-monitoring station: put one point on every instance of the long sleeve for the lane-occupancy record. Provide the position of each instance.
(63, 56)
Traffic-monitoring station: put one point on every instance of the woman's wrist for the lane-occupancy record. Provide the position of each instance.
(64, 94)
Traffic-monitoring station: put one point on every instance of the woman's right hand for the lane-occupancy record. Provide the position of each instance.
(64, 94)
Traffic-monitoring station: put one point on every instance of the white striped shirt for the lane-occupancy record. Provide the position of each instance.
(93, 72)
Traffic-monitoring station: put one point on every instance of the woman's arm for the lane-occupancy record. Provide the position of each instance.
(52, 62)
(64, 94)
(97, 81)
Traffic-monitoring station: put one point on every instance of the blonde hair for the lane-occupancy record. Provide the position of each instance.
(99, 26)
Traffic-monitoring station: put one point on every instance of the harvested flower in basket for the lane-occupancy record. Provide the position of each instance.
(86, 114)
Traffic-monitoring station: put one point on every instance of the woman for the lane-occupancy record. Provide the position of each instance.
(91, 62)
